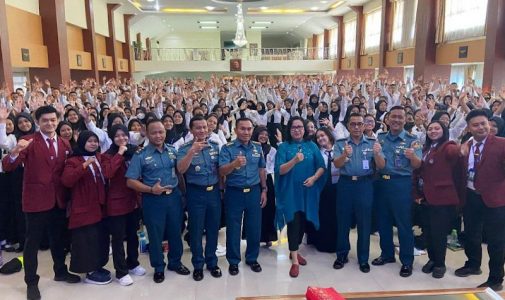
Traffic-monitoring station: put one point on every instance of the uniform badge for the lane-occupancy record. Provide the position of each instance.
(197, 168)
(416, 145)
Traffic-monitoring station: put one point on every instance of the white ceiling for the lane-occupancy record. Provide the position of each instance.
(157, 24)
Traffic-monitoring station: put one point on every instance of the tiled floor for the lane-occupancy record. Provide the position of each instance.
(274, 280)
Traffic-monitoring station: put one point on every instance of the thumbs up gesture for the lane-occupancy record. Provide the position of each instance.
(348, 150)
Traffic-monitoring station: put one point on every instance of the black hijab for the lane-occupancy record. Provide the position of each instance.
(84, 136)
(130, 149)
(171, 136)
(264, 146)
(110, 119)
(17, 132)
(181, 129)
(79, 125)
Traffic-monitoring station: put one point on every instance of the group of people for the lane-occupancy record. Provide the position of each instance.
(82, 163)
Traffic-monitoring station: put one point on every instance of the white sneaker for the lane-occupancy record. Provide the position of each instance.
(418, 252)
(138, 271)
(125, 280)
(221, 250)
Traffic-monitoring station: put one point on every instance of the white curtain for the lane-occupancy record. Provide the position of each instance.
(404, 22)
(458, 74)
(464, 19)
(333, 42)
(320, 46)
(349, 38)
(373, 31)
(408, 72)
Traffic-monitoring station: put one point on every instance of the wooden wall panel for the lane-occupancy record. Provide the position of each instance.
(373, 63)
(74, 38)
(122, 65)
(347, 63)
(392, 58)
(101, 47)
(448, 53)
(119, 49)
(104, 63)
(85, 60)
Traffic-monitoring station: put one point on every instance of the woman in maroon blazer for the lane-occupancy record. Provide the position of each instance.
(83, 174)
(121, 202)
(438, 184)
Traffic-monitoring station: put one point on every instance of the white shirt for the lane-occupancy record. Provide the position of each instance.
(55, 142)
(335, 172)
(471, 160)
(93, 170)
(270, 160)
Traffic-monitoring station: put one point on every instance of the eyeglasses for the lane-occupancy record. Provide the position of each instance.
(355, 124)
(296, 127)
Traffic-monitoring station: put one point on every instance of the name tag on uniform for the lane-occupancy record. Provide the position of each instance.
(256, 155)
(366, 164)
(471, 175)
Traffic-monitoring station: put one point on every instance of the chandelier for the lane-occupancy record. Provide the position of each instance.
(240, 39)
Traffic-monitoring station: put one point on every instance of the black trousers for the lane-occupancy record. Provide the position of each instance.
(296, 229)
(123, 228)
(90, 248)
(440, 219)
(37, 226)
(478, 218)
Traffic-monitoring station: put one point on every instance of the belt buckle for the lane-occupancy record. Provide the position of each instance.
(167, 192)
(210, 188)
(386, 177)
(354, 178)
(246, 190)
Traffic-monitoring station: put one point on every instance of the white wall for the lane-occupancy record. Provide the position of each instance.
(119, 26)
(75, 13)
(254, 37)
(211, 39)
(279, 41)
(100, 17)
(28, 5)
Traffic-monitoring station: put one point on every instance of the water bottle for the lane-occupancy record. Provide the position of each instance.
(142, 242)
(454, 238)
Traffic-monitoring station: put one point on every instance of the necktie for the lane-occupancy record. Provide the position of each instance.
(52, 150)
(98, 174)
(476, 154)
(328, 164)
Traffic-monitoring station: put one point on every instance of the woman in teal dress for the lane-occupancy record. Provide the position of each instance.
(299, 166)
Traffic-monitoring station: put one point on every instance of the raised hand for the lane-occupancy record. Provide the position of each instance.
(158, 189)
(122, 149)
(240, 161)
(347, 150)
(21, 145)
(410, 153)
(4, 114)
(377, 148)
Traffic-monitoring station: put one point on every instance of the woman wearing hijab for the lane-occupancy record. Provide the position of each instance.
(268, 230)
(122, 206)
(168, 123)
(7, 143)
(438, 183)
(83, 175)
(72, 116)
(23, 125)
(65, 131)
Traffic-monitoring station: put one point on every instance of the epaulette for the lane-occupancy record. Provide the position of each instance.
(410, 135)
(383, 133)
(371, 138)
(187, 143)
(229, 144)
(257, 143)
(342, 140)
(139, 150)
(212, 142)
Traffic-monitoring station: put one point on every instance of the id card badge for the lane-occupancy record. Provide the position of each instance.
(398, 161)
(366, 164)
(471, 174)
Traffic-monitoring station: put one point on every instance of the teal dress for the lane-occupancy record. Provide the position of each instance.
(292, 195)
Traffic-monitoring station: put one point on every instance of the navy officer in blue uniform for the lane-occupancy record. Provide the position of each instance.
(357, 157)
(198, 160)
(152, 172)
(242, 162)
(402, 152)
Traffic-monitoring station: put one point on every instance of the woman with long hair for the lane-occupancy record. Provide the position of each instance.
(299, 166)
(438, 183)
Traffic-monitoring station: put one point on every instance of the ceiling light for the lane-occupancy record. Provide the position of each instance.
(263, 7)
(208, 22)
(150, 0)
(262, 22)
(184, 10)
(209, 27)
(209, 7)
(324, 2)
(277, 11)
(258, 27)
(314, 8)
(337, 4)
(240, 39)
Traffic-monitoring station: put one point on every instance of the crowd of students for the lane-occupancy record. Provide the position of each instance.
(84, 162)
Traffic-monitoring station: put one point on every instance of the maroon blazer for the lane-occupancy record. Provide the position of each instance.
(490, 172)
(42, 188)
(88, 197)
(121, 199)
(441, 175)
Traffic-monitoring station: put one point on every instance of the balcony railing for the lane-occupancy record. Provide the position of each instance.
(222, 54)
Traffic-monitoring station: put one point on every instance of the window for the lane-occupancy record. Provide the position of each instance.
(464, 19)
(333, 42)
(320, 46)
(404, 22)
(373, 31)
(349, 38)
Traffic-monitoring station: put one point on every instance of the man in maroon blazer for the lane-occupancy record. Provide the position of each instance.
(43, 155)
(484, 162)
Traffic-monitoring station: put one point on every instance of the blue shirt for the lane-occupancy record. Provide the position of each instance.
(247, 175)
(203, 169)
(361, 163)
(151, 165)
(394, 147)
